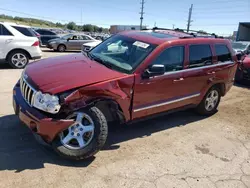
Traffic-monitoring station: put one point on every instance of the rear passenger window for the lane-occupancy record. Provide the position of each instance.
(223, 53)
(4, 31)
(200, 55)
(25, 31)
(172, 58)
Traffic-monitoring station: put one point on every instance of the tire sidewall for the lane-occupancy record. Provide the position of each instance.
(93, 147)
(202, 109)
(61, 45)
(9, 59)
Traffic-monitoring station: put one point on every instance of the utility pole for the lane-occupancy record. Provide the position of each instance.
(155, 24)
(189, 17)
(142, 13)
(81, 17)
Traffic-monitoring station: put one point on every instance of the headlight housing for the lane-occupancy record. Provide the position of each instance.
(46, 102)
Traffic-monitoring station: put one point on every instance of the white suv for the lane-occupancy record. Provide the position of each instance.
(18, 44)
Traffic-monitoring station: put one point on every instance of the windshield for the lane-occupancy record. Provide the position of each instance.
(239, 45)
(122, 53)
(67, 36)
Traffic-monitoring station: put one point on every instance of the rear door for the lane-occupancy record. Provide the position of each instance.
(6, 40)
(199, 69)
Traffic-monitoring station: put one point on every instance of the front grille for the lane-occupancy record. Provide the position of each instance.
(27, 91)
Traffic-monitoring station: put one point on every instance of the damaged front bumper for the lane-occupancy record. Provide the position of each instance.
(45, 128)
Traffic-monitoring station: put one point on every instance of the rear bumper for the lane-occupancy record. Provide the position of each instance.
(45, 127)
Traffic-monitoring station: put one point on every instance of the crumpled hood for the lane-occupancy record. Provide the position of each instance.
(58, 74)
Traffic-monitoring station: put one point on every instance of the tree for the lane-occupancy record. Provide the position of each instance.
(88, 28)
(202, 32)
(58, 24)
(71, 26)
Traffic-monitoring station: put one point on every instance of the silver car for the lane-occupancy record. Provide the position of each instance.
(71, 41)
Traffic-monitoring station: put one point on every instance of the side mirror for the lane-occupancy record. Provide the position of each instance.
(154, 70)
(68, 39)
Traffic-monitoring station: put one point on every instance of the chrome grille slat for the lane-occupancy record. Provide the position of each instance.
(27, 91)
(28, 97)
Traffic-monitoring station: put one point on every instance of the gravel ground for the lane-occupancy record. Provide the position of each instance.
(178, 150)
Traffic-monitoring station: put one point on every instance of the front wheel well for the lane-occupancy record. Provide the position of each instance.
(19, 49)
(111, 110)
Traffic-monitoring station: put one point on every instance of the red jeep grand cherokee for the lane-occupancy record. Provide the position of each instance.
(68, 100)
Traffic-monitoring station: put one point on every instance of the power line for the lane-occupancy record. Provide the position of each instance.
(142, 13)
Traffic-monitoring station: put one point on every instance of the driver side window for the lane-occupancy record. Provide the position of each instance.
(172, 58)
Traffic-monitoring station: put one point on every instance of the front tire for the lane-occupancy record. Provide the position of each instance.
(210, 102)
(85, 137)
(18, 59)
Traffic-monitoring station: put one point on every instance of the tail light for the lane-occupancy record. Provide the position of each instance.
(36, 43)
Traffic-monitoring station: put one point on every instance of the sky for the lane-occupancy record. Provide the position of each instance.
(218, 16)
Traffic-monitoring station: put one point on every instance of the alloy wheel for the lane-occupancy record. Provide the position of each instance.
(79, 134)
(211, 100)
(19, 60)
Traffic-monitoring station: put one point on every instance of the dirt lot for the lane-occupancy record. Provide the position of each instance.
(179, 150)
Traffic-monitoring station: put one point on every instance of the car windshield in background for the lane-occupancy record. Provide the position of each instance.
(239, 45)
(122, 53)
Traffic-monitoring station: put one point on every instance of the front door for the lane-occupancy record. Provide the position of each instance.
(73, 42)
(157, 94)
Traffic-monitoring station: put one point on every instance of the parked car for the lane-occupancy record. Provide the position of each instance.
(69, 101)
(243, 71)
(46, 35)
(69, 42)
(241, 46)
(114, 47)
(89, 45)
(18, 44)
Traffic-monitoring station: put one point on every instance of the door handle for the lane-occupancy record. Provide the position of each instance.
(209, 73)
(179, 79)
(8, 41)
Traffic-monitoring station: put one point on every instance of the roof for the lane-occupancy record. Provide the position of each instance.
(15, 24)
(160, 36)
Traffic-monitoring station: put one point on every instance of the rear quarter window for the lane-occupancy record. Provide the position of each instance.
(200, 55)
(222, 52)
(25, 31)
(4, 31)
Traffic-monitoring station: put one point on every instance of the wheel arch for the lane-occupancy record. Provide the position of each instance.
(18, 49)
(222, 88)
(110, 108)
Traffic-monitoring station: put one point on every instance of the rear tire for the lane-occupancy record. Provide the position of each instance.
(71, 149)
(61, 48)
(210, 102)
(18, 59)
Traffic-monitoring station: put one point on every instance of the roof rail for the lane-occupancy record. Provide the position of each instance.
(194, 33)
